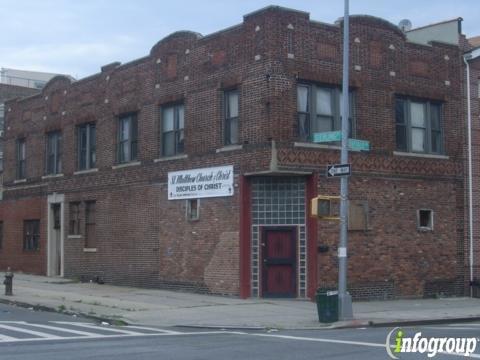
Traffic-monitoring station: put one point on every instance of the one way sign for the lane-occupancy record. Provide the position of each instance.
(338, 170)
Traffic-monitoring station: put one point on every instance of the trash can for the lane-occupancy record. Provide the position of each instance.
(327, 305)
(475, 288)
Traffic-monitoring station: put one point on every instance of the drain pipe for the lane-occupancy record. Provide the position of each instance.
(472, 55)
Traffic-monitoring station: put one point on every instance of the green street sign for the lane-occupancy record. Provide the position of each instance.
(328, 136)
(358, 145)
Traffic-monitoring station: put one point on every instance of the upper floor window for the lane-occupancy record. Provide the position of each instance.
(54, 152)
(173, 130)
(231, 117)
(127, 138)
(21, 159)
(319, 110)
(418, 126)
(86, 140)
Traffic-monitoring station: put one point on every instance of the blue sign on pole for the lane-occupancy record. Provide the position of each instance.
(358, 145)
(328, 136)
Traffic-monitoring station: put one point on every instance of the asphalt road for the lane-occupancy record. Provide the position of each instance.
(27, 334)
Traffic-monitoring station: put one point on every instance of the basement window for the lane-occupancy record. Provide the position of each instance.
(425, 219)
(193, 209)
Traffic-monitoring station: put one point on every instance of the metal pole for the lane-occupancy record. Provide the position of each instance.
(470, 185)
(344, 298)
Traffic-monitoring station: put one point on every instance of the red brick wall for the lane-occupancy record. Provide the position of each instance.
(13, 213)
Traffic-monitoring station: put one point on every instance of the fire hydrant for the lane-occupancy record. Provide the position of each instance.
(8, 282)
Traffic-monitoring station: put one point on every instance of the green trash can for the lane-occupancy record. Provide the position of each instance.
(327, 305)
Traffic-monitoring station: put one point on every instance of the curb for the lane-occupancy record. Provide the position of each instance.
(66, 312)
(423, 322)
(226, 327)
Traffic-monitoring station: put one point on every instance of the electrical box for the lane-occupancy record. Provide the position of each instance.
(324, 207)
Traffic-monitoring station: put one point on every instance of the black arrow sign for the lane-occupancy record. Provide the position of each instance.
(338, 170)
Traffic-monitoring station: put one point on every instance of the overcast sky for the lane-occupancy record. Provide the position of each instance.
(76, 37)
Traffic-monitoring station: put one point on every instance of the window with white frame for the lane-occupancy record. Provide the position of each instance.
(231, 117)
(86, 142)
(21, 158)
(418, 126)
(193, 209)
(319, 110)
(54, 153)
(425, 219)
(127, 138)
(172, 130)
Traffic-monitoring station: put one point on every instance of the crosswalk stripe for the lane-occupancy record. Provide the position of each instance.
(6, 338)
(31, 332)
(152, 329)
(89, 326)
(60, 329)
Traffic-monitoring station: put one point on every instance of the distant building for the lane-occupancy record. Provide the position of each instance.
(25, 78)
(474, 41)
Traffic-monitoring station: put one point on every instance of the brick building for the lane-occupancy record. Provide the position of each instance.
(472, 48)
(88, 163)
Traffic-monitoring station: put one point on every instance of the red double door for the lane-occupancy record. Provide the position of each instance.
(279, 262)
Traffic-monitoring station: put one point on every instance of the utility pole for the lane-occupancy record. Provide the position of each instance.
(344, 298)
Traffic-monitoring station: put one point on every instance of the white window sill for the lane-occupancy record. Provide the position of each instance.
(90, 250)
(87, 171)
(229, 148)
(120, 166)
(424, 229)
(316, 146)
(52, 176)
(322, 146)
(428, 156)
(74, 236)
(168, 158)
(20, 181)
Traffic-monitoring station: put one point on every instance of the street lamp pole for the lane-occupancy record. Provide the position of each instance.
(344, 298)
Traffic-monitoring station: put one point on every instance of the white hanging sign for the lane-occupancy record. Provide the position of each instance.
(200, 183)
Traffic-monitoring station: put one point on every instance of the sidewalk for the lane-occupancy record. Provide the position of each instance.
(169, 308)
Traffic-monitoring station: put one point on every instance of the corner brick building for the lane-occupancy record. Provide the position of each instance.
(87, 163)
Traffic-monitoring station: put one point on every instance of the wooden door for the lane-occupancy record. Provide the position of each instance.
(279, 262)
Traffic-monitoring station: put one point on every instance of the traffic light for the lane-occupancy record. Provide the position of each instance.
(323, 207)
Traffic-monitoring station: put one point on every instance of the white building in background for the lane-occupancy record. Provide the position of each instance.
(30, 79)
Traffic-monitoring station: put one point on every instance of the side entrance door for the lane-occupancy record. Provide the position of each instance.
(279, 262)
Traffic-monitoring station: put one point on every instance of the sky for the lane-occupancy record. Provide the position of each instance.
(77, 37)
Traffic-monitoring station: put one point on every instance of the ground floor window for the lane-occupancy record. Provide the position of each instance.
(90, 216)
(31, 235)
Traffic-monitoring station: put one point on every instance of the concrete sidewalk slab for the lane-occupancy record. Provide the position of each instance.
(170, 308)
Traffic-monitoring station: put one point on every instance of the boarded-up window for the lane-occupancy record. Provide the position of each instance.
(358, 215)
(55, 102)
(375, 54)
(419, 68)
(327, 51)
(171, 66)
